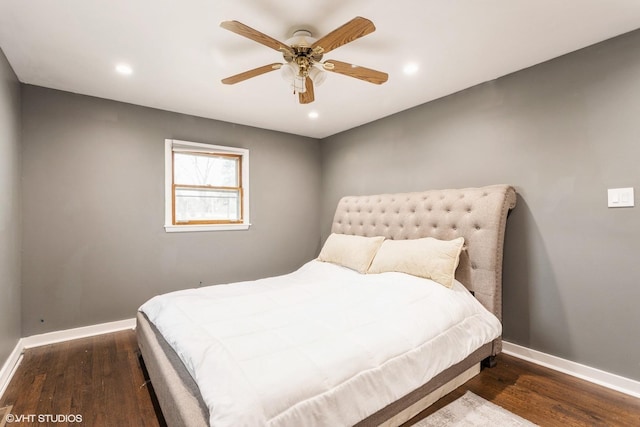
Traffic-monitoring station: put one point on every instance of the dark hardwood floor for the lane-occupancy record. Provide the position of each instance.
(100, 379)
(547, 397)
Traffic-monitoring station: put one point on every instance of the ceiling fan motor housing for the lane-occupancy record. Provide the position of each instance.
(303, 56)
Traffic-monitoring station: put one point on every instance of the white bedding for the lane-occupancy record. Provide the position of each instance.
(322, 346)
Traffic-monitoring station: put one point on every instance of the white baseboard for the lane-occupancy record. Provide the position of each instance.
(75, 333)
(605, 379)
(10, 366)
(12, 363)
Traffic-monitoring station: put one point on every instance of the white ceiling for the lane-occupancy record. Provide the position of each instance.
(179, 53)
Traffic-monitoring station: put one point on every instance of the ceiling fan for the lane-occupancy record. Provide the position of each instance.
(303, 55)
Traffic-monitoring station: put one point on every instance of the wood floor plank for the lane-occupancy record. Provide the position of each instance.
(56, 363)
(547, 397)
(98, 378)
(101, 379)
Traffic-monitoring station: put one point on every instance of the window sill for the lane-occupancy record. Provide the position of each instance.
(208, 227)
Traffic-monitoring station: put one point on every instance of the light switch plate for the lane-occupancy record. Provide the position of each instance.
(620, 197)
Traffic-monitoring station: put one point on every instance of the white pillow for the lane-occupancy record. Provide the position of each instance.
(427, 257)
(354, 252)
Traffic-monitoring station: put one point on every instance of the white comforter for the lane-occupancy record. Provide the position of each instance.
(322, 346)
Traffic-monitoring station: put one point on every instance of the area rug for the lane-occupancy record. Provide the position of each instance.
(472, 410)
(3, 412)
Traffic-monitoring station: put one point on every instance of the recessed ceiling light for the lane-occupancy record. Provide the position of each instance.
(410, 68)
(124, 69)
(313, 115)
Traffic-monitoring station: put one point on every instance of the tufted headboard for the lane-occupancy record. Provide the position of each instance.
(477, 214)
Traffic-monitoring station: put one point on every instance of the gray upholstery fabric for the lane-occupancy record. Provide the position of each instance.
(177, 393)
(477, 214)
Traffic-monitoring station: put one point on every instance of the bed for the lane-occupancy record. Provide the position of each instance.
(478, 215)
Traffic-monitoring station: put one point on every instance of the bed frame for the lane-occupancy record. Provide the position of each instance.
(477, 214)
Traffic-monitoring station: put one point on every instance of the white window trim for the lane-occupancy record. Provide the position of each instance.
(169, 145)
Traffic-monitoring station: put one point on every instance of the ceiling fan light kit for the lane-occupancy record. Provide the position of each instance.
(289, 73)
(303, 55)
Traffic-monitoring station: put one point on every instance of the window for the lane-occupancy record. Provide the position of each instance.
(206, 187)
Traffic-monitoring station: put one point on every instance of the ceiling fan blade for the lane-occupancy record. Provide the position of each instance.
(362, 73)
(352, 30)
(251, 73)
(308, 96)
(255, 35)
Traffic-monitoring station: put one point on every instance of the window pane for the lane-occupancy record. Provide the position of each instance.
(202, 169)
(207, 205)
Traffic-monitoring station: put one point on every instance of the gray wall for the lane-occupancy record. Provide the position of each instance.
(94, 244)
(562, 132)
(10, 166)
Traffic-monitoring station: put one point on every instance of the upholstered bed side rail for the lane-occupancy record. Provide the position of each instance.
(477, 214)
(176, 391)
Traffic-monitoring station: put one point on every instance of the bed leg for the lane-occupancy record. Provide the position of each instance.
(489, 362)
